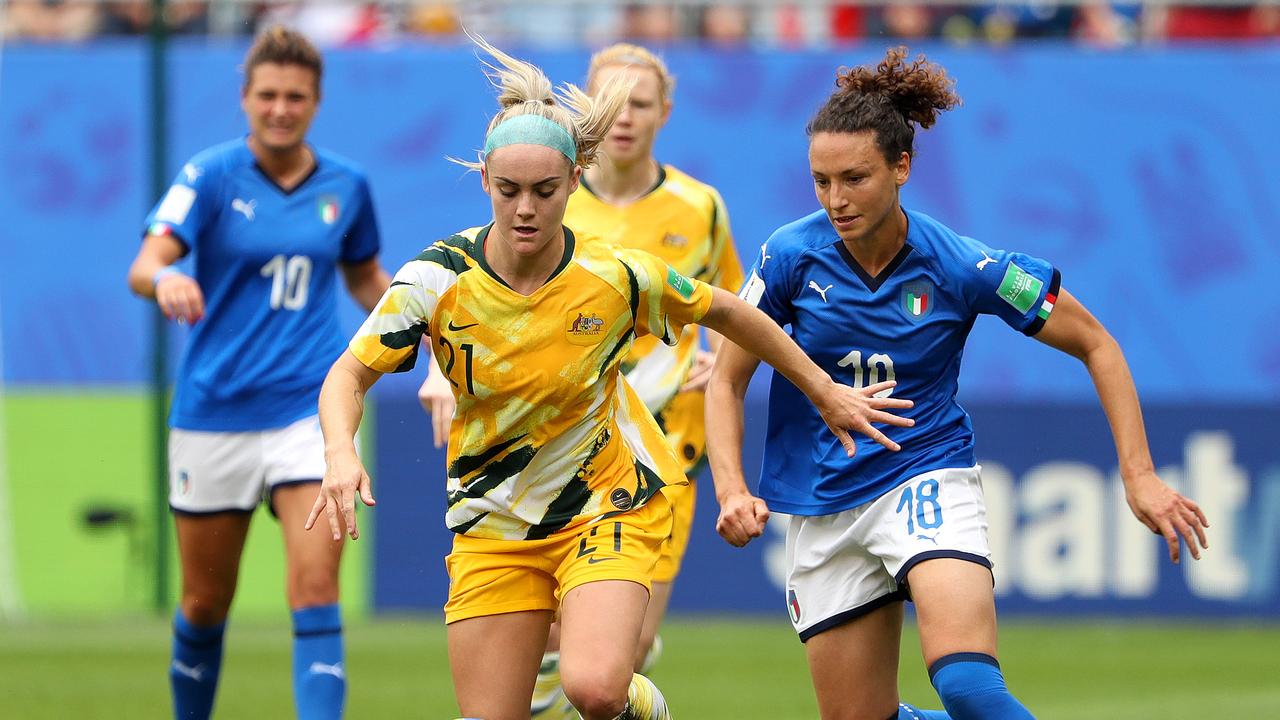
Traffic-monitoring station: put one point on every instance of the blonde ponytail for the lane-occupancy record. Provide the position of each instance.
(523, 89)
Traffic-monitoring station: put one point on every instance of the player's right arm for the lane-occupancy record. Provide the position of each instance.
(341, 408)
(386, 342)
(152, 275)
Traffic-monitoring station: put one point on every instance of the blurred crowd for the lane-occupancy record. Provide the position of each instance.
(775, 23)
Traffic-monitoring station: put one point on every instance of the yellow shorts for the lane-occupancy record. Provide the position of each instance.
(491, 577)
(681, 420)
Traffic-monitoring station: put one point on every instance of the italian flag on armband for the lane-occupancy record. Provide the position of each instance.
(1046, 307)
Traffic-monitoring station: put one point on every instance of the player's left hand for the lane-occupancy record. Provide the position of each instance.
(1167, 513)
(703, 362)
(344, 479)
(846, 408)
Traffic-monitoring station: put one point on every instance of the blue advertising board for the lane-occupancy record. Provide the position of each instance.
(1064, 541)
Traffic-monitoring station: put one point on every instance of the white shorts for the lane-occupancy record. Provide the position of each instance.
(212, 472)
(845, 565)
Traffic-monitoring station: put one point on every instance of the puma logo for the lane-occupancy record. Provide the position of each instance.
(764, 256)
(820, 290)
(985, 261)
(195, 673)
(245, 208)
(319, 668)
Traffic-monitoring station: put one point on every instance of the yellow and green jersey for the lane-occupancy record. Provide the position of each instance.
(546, 434)
(684, 222)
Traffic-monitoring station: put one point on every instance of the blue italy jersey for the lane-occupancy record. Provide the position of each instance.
(266, 262)
(909, 325)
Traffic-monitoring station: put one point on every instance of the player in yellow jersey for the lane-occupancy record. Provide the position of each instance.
(631, 200)
(557, 472)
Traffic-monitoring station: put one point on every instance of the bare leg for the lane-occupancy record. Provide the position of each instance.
(855, 666)
(599, 634)
(494, 660)
(210, 548)
(312, 557)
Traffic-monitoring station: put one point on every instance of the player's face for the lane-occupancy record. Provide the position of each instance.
(529, 186)
(857, 188)
(631, 138)
(280, 102)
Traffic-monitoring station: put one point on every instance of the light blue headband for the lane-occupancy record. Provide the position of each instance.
(531, 130)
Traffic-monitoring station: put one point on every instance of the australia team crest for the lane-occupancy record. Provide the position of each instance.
(918, 299)
(584, 327)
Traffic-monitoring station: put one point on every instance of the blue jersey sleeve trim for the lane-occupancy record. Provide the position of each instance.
(1038, 322)
(173, 233)
(358, 261)
(853, 614)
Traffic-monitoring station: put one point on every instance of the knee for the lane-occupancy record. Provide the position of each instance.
(206, 606)
(312, 586)
(596, 696)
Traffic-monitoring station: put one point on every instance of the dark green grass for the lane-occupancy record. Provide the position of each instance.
(711, 669)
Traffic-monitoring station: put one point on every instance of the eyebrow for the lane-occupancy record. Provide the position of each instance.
(509, 181)
(855, 170)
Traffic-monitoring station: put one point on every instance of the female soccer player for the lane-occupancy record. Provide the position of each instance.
(557, 472)
(270, 219)
(629, 199)
(873, 292)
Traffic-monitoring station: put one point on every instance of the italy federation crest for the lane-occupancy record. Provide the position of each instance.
(793, 605)
(917, 300)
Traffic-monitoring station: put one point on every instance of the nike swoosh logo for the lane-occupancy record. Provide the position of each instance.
(456, 328)
(594, 560)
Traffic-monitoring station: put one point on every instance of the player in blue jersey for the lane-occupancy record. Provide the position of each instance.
(875, 292)
(270, 220)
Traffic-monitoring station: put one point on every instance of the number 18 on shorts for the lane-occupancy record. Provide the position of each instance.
(846, 564)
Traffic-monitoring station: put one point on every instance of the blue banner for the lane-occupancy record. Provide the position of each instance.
(1064, 541)
(1139, 173)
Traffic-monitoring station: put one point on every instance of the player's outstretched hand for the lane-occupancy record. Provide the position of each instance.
(703, 363)
(1167, 513)
(742, 517)
(344, 479)
(848, 409)
(180, 298)
(437, 399)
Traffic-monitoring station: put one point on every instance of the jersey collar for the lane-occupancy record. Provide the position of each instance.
(483, 262)
(662, 178)
(873, 283)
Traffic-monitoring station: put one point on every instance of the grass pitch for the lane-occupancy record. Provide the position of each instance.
(712, 668)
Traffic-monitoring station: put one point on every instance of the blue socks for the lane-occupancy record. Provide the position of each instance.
(910, 712)
(972, 688)
(319, 677)
(193, 671)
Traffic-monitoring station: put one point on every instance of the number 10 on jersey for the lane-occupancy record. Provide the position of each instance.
(290, 279)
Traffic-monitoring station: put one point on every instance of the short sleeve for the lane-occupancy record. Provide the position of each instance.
(727, 268)
(362, 241)
(666, 301)
(1018, 288)
(388, 340)
(767, 286)
(188, 206)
